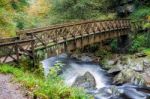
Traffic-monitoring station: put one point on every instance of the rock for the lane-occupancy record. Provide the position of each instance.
(146, 63)
(147, 71)
(83, 57)
(130, 8)
(146, 76)
(129, 76)
(64, 55)
(111, 62)
(138, 68)
(86, 81)
(147, 79)
(86, 59)
(115, 70)
(107, 92)
(124, 60)
(76, 56)
(140, 55)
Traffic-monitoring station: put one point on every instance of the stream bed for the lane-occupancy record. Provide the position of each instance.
(94, 79)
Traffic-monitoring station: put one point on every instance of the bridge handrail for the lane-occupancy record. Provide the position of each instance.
(36, 30)
(18, 42)
(9, 39)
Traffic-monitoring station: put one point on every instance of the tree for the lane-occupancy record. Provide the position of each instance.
(78, 9)
(8, 10)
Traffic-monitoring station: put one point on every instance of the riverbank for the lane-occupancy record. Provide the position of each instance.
(125, 68)
(81, 70)
(129, 69)
(39, 87)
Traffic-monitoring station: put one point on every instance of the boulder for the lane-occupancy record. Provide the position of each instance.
(112, 62)
(83, 57)
(146, 63)
(128, 75)
(64, 55)
(140, 55)
(115, 69)
(86, 81)
(147, 71)
(86, 59)
(76, 56)
(138, 68)
(107, 92)
(130, 8)
(147, 79)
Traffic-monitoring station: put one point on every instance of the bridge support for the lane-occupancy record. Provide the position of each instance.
(123, 43)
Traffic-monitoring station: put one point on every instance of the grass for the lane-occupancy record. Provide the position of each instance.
(42, 88)
(147, 51)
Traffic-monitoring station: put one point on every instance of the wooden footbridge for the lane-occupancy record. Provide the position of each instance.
(61, 38)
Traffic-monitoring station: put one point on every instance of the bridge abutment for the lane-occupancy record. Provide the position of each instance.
(123, 43)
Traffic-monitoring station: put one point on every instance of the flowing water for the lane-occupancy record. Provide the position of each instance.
(104, 88)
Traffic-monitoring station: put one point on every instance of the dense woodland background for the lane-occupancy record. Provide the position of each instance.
(23, 14)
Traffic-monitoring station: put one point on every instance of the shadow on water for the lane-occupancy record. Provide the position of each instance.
(104, 88)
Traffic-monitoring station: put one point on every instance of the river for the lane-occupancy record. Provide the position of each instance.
(104, 87)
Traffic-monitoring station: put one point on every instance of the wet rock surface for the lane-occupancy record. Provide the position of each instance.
(86, 81)
(140, 55)
(126, 91)
(131, 69)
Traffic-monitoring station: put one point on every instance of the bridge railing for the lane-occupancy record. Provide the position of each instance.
(138, 26)
(12, 51)
(30, 40)
(54, 35)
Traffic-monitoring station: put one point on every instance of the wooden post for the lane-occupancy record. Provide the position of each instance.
(75, 45)
(17, 52)
(65, 45)
(33, 51)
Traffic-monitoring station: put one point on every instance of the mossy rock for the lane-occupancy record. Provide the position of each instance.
(129, 76)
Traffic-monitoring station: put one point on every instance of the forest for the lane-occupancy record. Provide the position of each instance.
(98, 71)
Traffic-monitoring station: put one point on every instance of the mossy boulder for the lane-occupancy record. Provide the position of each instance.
(128, 75)
(86, 81)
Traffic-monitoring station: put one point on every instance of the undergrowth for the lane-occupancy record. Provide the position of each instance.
(44, 88)
(147, 51)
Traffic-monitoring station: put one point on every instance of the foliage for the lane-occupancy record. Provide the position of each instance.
(17, 14)
(102, 53)
(53, 73)
(147, 51)
(66, 10)
(26, 62)
(44, 89)
(114, 45)
(137, 43)
(8, 9)
(141, 13)
(147, 25)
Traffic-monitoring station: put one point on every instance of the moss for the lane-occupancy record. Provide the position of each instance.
(147, 51)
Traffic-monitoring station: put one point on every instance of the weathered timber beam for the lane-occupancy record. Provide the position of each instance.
(72, 38)
(13, 43)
